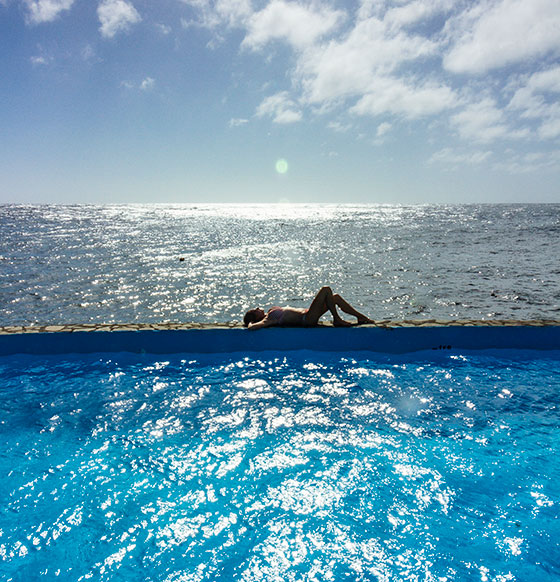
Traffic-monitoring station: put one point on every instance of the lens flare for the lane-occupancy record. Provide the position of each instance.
(281, 166)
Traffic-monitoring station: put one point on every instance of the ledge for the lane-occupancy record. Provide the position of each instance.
(390, 337)
(384, 323)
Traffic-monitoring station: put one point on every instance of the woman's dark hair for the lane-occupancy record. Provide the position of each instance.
(249, 317)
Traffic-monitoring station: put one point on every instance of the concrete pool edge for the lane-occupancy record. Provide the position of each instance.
(386, 337)
(383, 323)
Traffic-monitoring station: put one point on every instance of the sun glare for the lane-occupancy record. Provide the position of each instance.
(281, 166)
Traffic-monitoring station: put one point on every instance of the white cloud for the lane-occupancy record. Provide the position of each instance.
(350, 66)
(360, 62)
(481, 121)
(280, 107)
(40, 61)
(395, 96)
(213, 14)
(529, 163)
(383, 129)
(548, 80)
(116, 16)
(39, 11)
(218, 16)
(538, 99)
(449, 156)
(550, 128)
(298, 25)
(493, 34)
(163, 28)
(339, 127)
(237, 122)
(416, 11)
(233, 12)
(147, 84)
(88, 52)
(384, 58)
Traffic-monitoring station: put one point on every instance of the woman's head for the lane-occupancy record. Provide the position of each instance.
(253, 316)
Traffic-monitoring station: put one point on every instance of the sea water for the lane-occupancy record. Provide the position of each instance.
(209, 263)
(280, 467)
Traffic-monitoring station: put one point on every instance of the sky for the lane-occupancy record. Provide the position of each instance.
(372, 101)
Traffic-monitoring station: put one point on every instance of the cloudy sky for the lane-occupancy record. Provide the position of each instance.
(271, 100)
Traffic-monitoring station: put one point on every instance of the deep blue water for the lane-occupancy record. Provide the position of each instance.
(274, 467)
(77, 264)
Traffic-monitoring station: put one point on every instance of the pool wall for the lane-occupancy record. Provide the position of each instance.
(216, 339)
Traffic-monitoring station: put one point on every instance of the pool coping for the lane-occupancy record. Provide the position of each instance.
(166, 326)
(386, 336)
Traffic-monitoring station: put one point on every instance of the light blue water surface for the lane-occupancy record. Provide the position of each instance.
(280, 467)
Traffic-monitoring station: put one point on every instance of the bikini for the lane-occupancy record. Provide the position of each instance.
(276, 314)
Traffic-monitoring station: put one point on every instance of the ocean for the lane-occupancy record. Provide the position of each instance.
(209, 263)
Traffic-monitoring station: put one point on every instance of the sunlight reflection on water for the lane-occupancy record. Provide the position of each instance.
(274, 467)
(207, 263)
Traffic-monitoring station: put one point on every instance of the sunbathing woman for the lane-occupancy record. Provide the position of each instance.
(324, 301)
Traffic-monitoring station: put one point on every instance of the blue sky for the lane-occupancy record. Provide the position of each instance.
(393, 101)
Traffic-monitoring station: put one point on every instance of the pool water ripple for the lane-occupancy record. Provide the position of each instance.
(280, 467)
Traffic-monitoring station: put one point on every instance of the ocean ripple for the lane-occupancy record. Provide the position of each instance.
(209, 263)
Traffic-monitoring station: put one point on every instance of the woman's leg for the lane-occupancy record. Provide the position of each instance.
(324, 301)
(347, 308)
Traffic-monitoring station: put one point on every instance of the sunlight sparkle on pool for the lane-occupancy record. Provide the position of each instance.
(280, 467)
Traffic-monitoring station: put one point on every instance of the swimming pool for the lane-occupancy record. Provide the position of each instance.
(273, 465)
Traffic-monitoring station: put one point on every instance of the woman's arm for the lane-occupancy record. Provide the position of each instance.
(260, 324)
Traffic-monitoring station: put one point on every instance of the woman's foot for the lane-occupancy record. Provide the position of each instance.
(363, 320)
(341, 323)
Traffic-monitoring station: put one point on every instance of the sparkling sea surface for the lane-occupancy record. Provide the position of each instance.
(122, 263)
(276, 467)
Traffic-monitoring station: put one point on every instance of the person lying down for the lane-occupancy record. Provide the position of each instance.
(324, 301)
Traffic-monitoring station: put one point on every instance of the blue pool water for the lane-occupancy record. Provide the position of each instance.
(280, 467)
